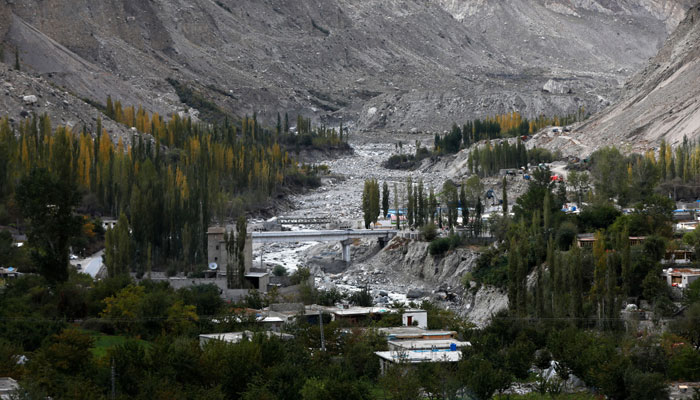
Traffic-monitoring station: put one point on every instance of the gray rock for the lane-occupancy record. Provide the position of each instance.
(29, 99)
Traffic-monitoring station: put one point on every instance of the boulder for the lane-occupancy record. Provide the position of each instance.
(29, 100)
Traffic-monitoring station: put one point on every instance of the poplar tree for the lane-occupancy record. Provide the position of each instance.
(576, 281)
(396, 207)
(421, 204)
(385, 199)
(278, 128)
(600, 274)
(504, 197)
(513, 257)
(432, 204)
(366, 199)
(409, 200)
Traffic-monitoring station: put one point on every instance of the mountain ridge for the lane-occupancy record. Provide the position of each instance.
(377, 65)
(660, 102)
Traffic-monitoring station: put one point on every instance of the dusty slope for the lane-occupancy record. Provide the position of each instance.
(660, 102)
(23, 94)
(390, 65)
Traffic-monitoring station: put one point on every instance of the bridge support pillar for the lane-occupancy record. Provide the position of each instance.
(346, 250)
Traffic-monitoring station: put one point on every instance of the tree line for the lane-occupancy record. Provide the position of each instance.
(204, 174)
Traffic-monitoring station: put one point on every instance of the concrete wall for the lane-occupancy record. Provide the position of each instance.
(419, 317)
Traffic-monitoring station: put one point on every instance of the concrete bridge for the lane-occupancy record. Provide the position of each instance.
(345, 237)
(304, 220)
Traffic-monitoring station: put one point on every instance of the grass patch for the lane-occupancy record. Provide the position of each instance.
(105, 342)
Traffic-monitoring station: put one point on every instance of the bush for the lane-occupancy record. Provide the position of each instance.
(438, 247)
(429, 232)
(362, 298)
(302, 274)
(279, 270)
(330, 297)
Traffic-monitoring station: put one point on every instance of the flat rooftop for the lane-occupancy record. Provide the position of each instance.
(408, 332)
(420, 356)
(428, 344)
(362, 311)
(235, 337)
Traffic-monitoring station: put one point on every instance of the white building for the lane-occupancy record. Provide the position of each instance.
(417, 318)
(386, 358)
(681, 277)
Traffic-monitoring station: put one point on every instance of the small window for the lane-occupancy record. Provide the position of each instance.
(217, 247)
(216, 258)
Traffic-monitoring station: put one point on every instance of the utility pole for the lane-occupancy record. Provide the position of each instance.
(320, 323)
(113, 375)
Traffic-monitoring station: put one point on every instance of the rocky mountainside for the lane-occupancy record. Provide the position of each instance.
(660, 102)
(378, 64)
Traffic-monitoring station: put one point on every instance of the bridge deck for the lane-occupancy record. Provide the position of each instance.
(319, 235)
(303, 220)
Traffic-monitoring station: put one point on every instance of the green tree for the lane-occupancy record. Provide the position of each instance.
(688, 326)
(482, 378)
(124, 308)
(504, 196)
(397, 207)
(48, 200)
(385, 199)
(118, 249)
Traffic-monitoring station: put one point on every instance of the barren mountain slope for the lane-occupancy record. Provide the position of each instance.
(660, 102)
(389, 65)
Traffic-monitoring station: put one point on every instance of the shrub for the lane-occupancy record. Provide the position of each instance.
(438, 247)
(429, 232)
(362, 298)
(279, 270)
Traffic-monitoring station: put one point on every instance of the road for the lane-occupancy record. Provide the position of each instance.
(90, 265)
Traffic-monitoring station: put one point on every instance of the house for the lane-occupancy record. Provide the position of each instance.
(686, 226)
(356, 315)
(414, 333)
(678, 256)
(413, 345)
(681, 277)
(587, 240)
(237, 337)
(683, 216)
(417, 318)
(8, 388)
(387, 358)
(8, 273)
(434, 344)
